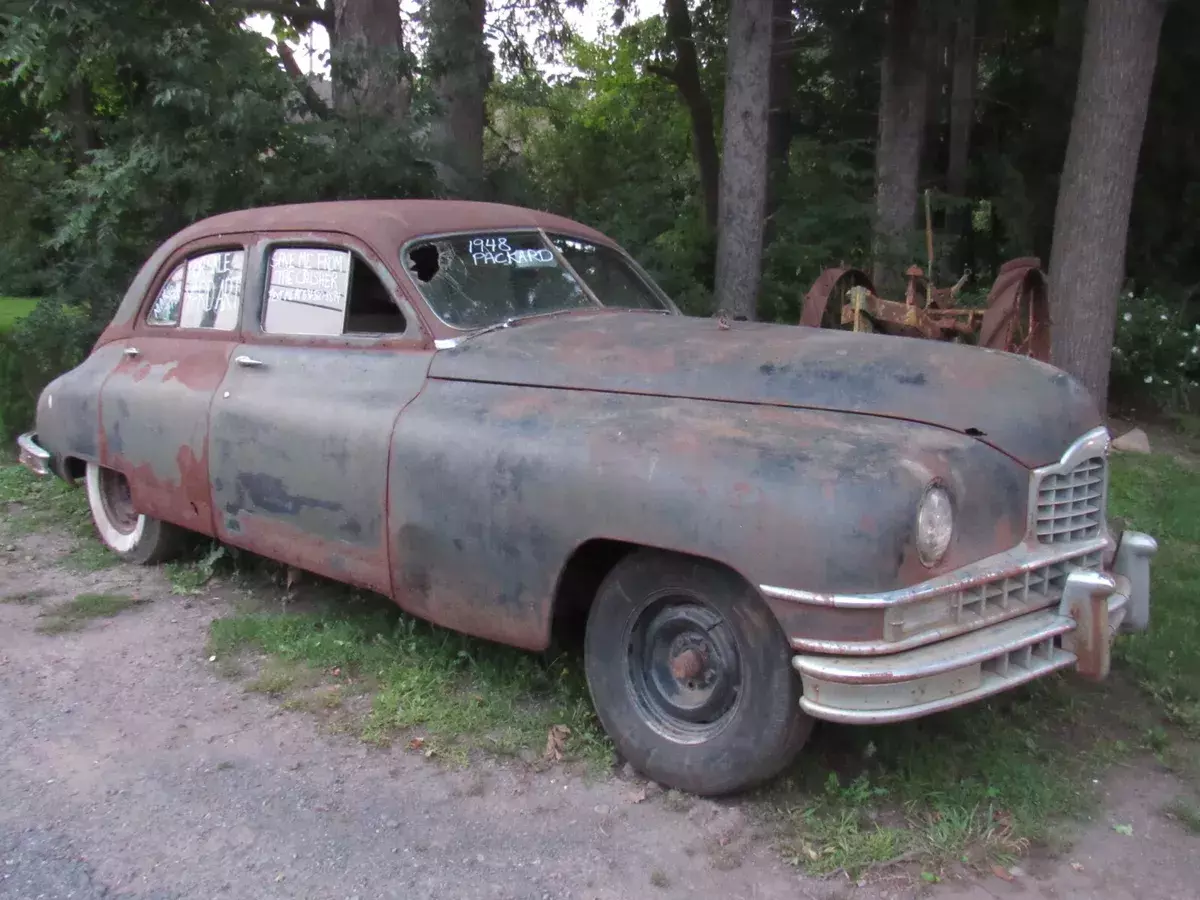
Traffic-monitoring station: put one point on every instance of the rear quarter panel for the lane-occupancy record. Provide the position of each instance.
(492, 487)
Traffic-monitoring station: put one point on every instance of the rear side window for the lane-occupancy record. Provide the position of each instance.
(203, 292)
(325, 291)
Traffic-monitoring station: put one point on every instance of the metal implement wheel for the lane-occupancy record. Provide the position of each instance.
(131, 535)
(691, 675)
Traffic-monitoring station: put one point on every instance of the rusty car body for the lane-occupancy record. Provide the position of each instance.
(494, 417)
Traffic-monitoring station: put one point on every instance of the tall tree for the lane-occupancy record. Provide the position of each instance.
(459, 66)
(963, 73)
(1091, 221)
(743, 198)
(685, 75)
(368, 58)
(779, 120)
(902, 101)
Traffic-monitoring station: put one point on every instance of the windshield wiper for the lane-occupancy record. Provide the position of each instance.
(511, 321)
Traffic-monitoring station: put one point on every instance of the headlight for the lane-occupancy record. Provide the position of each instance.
(935, 524)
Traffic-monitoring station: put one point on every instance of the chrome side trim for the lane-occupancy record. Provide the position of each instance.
(1016, 561)
(445, 343)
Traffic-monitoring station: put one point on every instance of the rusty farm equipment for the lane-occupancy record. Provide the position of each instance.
(1016, 317)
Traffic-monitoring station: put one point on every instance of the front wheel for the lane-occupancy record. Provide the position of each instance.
(691, 675)
(133, 536)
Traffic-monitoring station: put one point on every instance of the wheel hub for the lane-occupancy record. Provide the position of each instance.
(118, 501)
(684, 667)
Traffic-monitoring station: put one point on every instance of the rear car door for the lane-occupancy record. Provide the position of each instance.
(154, 407)
(302, 424)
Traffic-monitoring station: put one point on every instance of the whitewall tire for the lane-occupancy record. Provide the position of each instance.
(133, 536)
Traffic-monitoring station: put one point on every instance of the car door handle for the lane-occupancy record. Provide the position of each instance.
(249, 362)
(131, 351)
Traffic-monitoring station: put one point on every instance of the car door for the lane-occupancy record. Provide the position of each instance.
(302, 424)
(154, 406)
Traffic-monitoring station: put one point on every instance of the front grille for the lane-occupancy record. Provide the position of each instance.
(1070, 505)
(1034, 589)
(982, 604)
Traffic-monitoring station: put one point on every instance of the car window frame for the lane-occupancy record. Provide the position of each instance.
(415, 336)
(198, 247)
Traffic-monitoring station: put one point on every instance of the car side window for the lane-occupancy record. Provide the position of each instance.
(203, 292)
(325, 291)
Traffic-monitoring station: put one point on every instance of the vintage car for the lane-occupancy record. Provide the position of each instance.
(494, 417)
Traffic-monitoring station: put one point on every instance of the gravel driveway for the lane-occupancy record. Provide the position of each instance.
(129, 768)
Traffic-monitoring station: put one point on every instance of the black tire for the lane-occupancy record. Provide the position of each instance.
(691, 675)
(133, 536)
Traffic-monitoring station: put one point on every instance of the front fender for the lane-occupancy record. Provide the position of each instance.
(492, 487)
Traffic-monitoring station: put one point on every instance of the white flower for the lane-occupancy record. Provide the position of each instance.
(1196, 327)
(1163, 316)
(1195, 349)
(1128, 317)
(1117, 352)
(1149, 379)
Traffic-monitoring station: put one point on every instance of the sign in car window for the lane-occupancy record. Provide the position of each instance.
(307, 290)
(212, 291)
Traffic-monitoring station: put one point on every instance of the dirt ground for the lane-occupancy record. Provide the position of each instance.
(129, 768)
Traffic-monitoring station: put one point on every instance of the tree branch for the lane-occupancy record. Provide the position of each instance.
(311, 97)
(667, 73)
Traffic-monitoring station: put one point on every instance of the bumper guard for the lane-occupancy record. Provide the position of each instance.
(960, 670)
(33, 455)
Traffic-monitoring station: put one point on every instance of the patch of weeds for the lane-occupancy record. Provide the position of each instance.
(89, 555)
(74, 614)
(659, 879)
(24, 598)
(321, 700)
(461, 692)
(190, 576)
(677, 801)
(1186, 813)
(273, 682)
(983, 782)
(35, 504)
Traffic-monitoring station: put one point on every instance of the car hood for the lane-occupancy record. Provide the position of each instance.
(1026, 409)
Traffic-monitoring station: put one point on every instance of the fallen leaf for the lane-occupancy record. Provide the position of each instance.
(930, 877)
(556, 740)
(1126, 830)
(637, 796)
(1078, 867)
(1001, 872)
(336, 671)
(416, 743)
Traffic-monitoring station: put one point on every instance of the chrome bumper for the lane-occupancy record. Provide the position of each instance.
(953, 672)
(32, 455)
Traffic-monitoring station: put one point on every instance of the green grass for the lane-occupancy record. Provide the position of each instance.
(1158, 495)
(462, 694)
(29, 504)
(75, 614)
(1186, 813)
(13, 309)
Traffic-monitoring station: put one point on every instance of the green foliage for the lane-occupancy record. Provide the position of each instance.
(13, 309)
(75, 614)
(1156, 351)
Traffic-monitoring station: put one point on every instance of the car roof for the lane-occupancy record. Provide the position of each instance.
(386, 223)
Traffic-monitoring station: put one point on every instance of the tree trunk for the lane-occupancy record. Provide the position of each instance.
(459, 66)
(367, 58)
(1091, 221)
(743, 198)
(779, 118)
(686, 78)
(964, 71)
(901, 127)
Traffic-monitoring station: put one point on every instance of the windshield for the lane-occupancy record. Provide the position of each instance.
(475, 280)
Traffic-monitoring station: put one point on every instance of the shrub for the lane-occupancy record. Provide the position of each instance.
(51, 339)
(1156, 351)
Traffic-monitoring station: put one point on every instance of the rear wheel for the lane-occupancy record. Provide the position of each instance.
(691, 675)
(131, 535)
